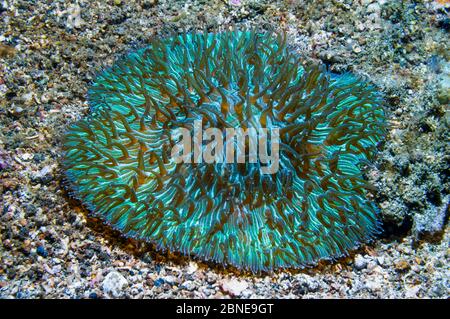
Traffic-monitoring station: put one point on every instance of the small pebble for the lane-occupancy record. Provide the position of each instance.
(41, 251)
(402, 265)
(7, 51)
(158, 282)
(114, 284)
(360, 262)
(234, 286)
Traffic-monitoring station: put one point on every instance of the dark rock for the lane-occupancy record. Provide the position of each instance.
(158, 282)
(41, 251)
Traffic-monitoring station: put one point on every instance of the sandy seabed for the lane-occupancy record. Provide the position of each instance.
(51, 50)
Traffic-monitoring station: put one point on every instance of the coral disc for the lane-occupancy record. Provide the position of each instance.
(314, 207)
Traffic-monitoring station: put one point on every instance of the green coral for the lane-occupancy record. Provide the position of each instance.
(118, 163)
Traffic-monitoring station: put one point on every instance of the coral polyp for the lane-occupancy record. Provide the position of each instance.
(118, 160)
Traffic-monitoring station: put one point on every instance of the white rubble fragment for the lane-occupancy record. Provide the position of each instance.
(234, 287)
(114, 284)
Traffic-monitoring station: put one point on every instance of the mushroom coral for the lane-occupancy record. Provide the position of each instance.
(117, 160)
